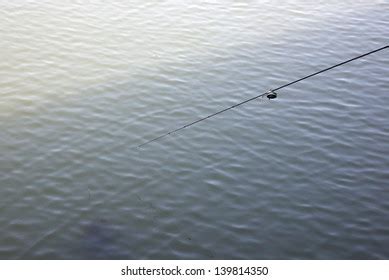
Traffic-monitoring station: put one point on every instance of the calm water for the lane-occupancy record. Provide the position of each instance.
(82, 83)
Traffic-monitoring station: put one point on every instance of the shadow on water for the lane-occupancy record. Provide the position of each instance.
(99, 239)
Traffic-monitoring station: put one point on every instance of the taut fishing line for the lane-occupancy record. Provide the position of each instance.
(271, 94)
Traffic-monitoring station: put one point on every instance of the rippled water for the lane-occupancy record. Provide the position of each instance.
(82, 83)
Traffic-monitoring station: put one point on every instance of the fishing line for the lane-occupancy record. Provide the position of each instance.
(271, 94)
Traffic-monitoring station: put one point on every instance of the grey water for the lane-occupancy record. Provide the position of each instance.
(83, 83)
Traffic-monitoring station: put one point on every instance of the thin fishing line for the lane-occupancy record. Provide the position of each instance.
(262, 94)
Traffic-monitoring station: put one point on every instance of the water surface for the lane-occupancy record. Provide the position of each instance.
(83, 83)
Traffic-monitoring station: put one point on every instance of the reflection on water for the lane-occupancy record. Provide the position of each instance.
(83, 83)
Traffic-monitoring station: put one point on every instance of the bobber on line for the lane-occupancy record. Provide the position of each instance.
(271, 94)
